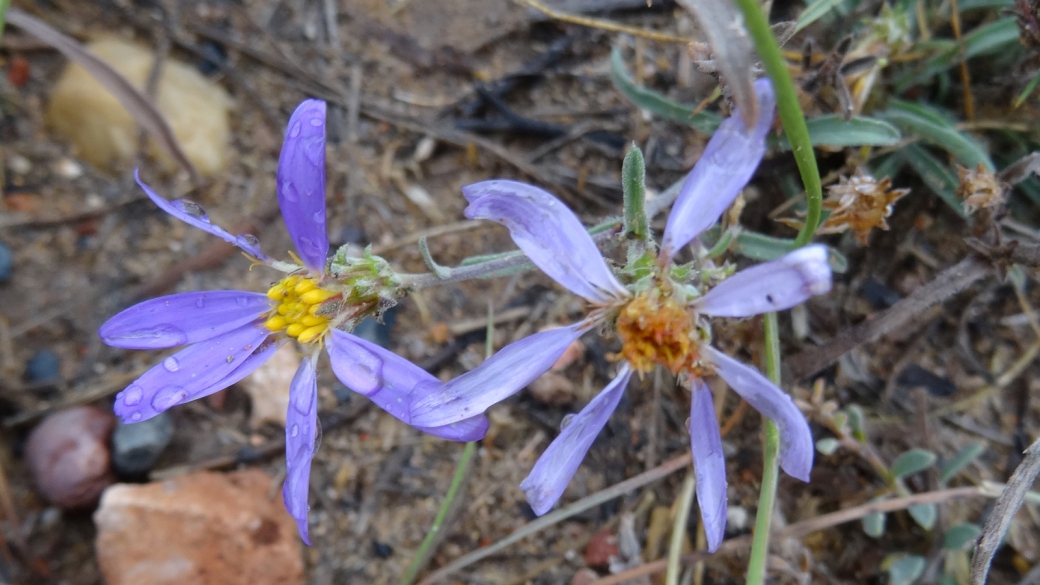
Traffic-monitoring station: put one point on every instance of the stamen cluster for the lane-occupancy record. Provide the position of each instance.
(298, 308)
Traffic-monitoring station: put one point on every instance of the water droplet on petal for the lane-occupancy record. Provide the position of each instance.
(200, 302)
(319, 217)
(317, 122)
(132, 395)
(289, 192)
(296, 128)
(193, 209)
(168, 397)
(294, 431)
(171, 364)
(362, 379)
(135, 417)
(566, 421)
(248, 240)
(242, 301)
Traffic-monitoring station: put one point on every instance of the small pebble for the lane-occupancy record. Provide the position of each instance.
(6, 263)
(45, 366)
(68, 168)
(213, 55)
(136, 447)
(382, 550)
(67, 455)
(602, 546)
(19, 165)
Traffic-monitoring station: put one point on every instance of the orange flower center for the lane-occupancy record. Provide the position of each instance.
(656, 329)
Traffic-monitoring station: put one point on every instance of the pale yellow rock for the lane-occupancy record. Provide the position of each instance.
(268, 387)
(103, 131)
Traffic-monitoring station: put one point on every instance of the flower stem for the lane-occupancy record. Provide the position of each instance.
(791, 115)
(456, 482)
(770, 473)
(682, 516)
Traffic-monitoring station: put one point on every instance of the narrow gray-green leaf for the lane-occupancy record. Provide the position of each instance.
(761, 247)
(952, 466)
(924, 515)
(874, 524)
(656, 103)
(912, 461)
(814, 11)
(857, 422)
(723, 24)
(935, 174)
(915, 119)
(905, 570)
(633, 185)
(985, 39)
(835, 131)
(961, 536)
(136, 103)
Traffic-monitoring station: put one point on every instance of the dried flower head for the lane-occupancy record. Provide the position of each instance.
(979, 189)
(859, 203)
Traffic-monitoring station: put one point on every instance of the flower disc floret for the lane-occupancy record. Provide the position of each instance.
(297, 308)
(656, 329)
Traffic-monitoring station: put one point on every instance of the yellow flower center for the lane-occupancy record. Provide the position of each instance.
(297, 303)
(656, 329)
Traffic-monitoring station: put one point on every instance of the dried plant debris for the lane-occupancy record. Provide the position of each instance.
(979, 188)
(858, 203)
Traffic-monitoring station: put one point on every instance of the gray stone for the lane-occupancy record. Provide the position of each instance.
(136, 447)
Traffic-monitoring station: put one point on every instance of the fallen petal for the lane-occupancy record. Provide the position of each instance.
(771, 286)
(709, 464)
(301, 183)
(796, 444)
(557, 465)
(728, 162)
(182, 318)
(549, 233)
(499, 377)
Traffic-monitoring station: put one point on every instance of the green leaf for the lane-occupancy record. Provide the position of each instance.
(912, 461)
(1028, 90)
(857, 422)
(633, 185)
(961, 536)
(935, 174)
(984, 39)
(924, 515)
(952, 466)
(916, 119)
(827, 446)
(834, 131)
(656, 103)
(874, 524)
(765, 248)
(904, 569)
(813, 12)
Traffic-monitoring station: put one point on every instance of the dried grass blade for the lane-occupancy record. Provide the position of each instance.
(136, 103)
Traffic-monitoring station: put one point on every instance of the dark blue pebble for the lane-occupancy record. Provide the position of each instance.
(43, 367)
(6, 263)
(136, 447)
(382, 550)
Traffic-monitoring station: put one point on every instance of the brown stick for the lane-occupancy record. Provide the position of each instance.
(949, 282)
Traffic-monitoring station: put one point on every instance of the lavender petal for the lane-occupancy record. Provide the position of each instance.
(499, 377)
(194, 372)
(394, 383)
(728, 162)
(549, 233)
(557, 465)
(709, 464)
(770, 286)
(796, 444)
(182, 318)
(301, 430)
(194, 215)
(301, 183)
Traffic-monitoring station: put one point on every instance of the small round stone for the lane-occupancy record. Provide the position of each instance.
(67, 455)
(45, 366)
(6, 263)
(136, 447)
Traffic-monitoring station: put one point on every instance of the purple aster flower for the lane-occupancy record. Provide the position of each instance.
(660, 319)
(230, 333)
